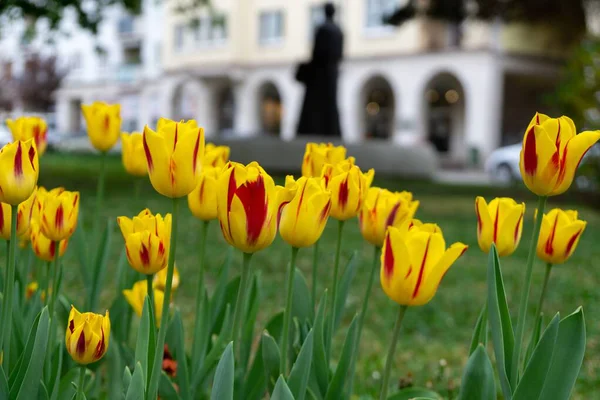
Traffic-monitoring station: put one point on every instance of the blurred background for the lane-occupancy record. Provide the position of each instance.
(426, 87)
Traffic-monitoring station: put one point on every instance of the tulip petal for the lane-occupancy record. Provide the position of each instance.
(509, 231)
(574, 151)
(485, 228)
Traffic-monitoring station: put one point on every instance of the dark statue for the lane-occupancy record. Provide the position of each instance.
(319, 110)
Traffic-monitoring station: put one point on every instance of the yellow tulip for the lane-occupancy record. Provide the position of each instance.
(383, 208)
(137, 295)
(24, 212)
(215, 156)
(348, 186)
(559, 235)
(248, 203)
(132, 153)
(160, 279)
(551, 153)
(303, 219)
(414, 260)
(174, 156)
(30, 290)
(147, 239)
(25, 128)
(20, 167)
(500, 222)
(202, 201)
(103, 124)
(59, 213)
(87, 336)
(43, 247)
(317, 155)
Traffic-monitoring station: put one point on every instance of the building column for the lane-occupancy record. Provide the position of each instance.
(348, 99)
(409, 127)
(291, 102)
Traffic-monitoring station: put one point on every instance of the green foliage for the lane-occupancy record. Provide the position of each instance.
(478, 377)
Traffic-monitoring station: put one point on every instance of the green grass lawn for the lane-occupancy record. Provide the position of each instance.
(438, 331)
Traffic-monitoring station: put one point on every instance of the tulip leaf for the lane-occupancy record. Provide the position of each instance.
(146, 338)
(414, 393)
(336, 386)
(320, 364)
(298, 380)
(166, 390)
(250, 320)
(217, 302)
(57, 362)
(223, 383)
(281, 390)
(177, 346)
(4, 389)
(80, 244)
(535, 338)
(478, 377)
(42, 392)
(202, 334)
(66, 389)
(532, 382)
(271, 357)
(100, 261)
(136, 390)
(500, 323)
(480, 332)
(302, 308)
(567, 358)
(126, 379)
(343, 290)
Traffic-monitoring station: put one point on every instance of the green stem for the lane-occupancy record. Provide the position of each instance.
(81, 383)
(137, 188)
(46, 281)
(336, 267)
(164, 324)
(9, 286)
(198, 353)
(315, 270)
(100, 193)
(516, 356)
(538, 314)
(6, 269)
(55, 270)
(390, 357)
(150, 290)
(363, 312)
(288, 314)
(237, 314)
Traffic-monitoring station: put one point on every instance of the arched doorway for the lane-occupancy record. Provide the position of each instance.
(377, 108)
(445, 114)
(270, 108)
(185, 103)
(225, 109)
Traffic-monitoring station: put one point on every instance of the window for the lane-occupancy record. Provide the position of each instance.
(133, 55)
(377, 9)
(179, 36)
(210, 30)
(125, 25)
(271, 27)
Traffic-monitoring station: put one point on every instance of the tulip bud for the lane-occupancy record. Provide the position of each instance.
(87, 336)
(30, 290)
(160, 279)
(59, 213)
(500, 222)
(248, 203)
(174, 156)
(23, 218)
(414, 260)
(303, 219)
(132, 153)
(215, 156)
(25, 128)
(383, 208)
(559, 235)
(317, 155)
(147, 239)
(103, 124)
(348, 186)
(551, 153)
(202, 201)
(20, 168)
(43, 247)
(137, 295)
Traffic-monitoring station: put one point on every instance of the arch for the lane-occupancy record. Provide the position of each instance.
(184, 101)
(224, 108)
(270, 108)
(444, 114)
(377, 108)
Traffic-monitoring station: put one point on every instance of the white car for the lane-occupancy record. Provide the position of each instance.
(503, 165)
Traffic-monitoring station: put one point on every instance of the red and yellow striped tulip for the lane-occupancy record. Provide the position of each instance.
(25, 128)
(132, 154)
(20, 167)
(147, 239)
(24, 212)
(43, 247)
(348, 186)
(137, 295)
(87, 336)
(414, 260)
(551, 153)
(303, 219)
(559, 235)
(103, 124)
(59, 213)
(174, 156)
(203, 200)
(215, 156)
(317, 155)
(500, 222)
(248, 203)
(383, 208)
